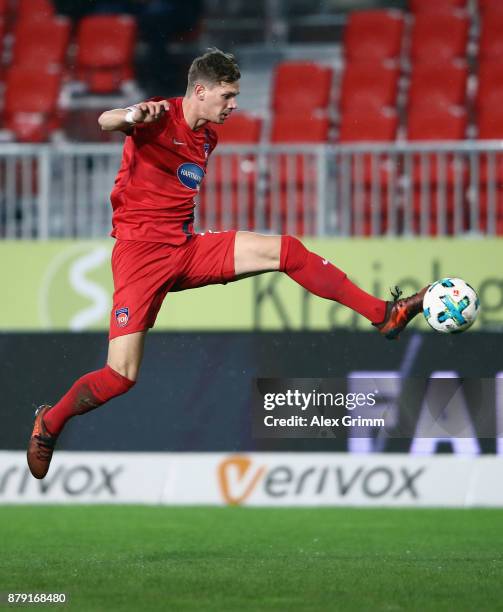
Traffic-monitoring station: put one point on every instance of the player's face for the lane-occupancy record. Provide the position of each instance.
(220, 101)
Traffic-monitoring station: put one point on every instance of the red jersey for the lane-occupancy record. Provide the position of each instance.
(163, 164)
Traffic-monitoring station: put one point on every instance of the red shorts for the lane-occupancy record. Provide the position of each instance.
(144, 272)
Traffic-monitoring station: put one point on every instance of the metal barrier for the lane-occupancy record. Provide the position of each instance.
(364, 189)
(419, 189)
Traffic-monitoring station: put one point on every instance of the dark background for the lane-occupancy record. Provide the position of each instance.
(194, 391)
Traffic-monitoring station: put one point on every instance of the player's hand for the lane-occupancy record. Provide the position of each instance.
(148, 112)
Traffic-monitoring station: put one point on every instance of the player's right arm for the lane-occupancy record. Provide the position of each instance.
(124, 119)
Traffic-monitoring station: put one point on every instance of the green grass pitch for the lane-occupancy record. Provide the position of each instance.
(240, 559)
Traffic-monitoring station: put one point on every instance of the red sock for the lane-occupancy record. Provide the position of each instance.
(88, 392)
(320, 277)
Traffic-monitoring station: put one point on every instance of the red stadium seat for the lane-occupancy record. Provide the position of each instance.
(373, 35)
(358, 126)
(289, 130)
(105, 51)
(312, 94)
(490, 124)
(365, 126)
(293, 129)
(367, 86)
(31, 99)
(490, 85)
(432, 124)
(4, 7)
(41, 43)
(436, 124)
(34, 10)
(227, 196)
(490, 6)
(438, 85)
(439, 37)
(491, 37)
(293, 177)
(240, 128)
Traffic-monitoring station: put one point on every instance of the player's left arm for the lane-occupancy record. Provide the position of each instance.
(124, 119)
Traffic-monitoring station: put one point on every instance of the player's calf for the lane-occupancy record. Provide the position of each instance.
(87, 393)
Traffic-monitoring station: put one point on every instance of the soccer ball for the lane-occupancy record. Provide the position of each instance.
(450, 305)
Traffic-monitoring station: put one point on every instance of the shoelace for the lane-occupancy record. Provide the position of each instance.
(396, 293)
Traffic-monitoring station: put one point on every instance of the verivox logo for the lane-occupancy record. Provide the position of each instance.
(237, 478)
(65, 481)
(190, 175)
(309, 482)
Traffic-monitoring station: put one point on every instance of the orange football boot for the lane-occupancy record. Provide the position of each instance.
(400, 312)
(41, 445)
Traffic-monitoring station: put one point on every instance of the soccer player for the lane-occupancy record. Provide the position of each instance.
(166, 151)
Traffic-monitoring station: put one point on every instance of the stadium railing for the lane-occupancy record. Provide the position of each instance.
(419, 189)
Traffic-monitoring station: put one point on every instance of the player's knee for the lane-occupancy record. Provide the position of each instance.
(293, 254)
(125, 368)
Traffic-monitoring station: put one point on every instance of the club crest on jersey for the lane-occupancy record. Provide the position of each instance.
(206, 149)
(190, 175)
(122, 316)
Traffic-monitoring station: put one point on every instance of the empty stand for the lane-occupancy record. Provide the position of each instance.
(438, 86)
(31, 98)
(364, 168)
(294, 129)
(240, 128)
(105, 51)
(301, 86)
(291, 202)
(375, 35)
(490, 85)
(361, 126)
(437, 169)
(490, 124)
(231, 184)
(368, 86)
(439, 37)
(429, 124)
(41, 43)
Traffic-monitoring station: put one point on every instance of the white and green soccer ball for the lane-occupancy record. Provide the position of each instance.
(451, 305)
